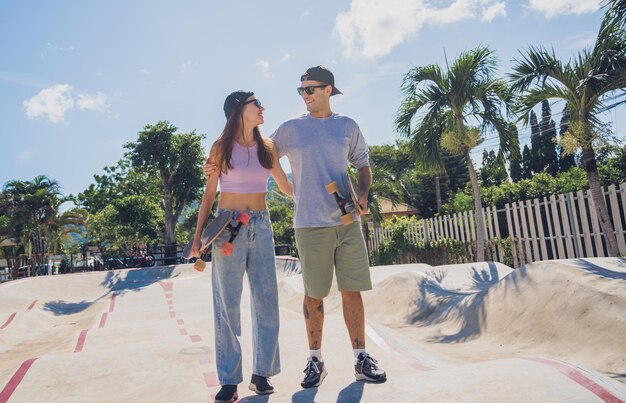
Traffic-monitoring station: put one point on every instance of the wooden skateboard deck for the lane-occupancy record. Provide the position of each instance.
(348, 204)
(212, 231)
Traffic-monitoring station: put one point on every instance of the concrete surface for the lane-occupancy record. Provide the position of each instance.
(553, 331)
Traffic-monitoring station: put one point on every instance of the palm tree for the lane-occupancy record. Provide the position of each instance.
(615, 17)
(583, 83)
(457, 107)
(34, 207)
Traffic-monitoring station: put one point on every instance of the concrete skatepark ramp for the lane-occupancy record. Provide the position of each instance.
(552, 331)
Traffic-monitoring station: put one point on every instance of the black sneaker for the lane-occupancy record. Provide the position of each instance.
(260, 385)
(227, 394)
(314, 373)
(366, 369)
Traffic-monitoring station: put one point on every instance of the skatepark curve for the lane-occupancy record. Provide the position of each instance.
(550, 331)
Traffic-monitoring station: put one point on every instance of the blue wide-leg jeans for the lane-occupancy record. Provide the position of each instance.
(253, 255)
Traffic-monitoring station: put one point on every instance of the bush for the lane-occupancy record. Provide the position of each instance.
(400, 249)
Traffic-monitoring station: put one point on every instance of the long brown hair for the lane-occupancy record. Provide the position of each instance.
(226, 140)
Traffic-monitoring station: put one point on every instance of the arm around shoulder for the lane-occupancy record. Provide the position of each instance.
(279, 174)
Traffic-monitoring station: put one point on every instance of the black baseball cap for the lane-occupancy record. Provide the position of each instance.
(234, 100)
(323, 75)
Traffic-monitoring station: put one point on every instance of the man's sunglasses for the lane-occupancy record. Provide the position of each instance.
(310, 89)
(257, 103)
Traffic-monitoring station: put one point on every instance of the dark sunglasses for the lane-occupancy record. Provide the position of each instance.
(257, 103)
(310, 89)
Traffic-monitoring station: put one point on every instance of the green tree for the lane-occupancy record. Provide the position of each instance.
(466, 92)
(515, 156)
(548, 140)
(125, 207)
(566, 160)
(35, 220)
(177, 160)
(536, 159)
(581, 83)
(527, 161)
(493, 170)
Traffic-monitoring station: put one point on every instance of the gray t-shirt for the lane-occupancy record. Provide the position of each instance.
(319, 150)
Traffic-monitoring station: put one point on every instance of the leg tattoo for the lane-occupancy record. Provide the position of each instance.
(358, 343)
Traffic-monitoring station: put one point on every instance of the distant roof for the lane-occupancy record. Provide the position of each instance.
(387, 207)
(7, 242)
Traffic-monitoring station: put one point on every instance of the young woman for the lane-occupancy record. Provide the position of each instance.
(245, 159)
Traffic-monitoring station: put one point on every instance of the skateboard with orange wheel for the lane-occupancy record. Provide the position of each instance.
(348, 204)
(213, 230)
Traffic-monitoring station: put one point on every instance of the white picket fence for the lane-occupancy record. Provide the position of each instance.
(556, 227)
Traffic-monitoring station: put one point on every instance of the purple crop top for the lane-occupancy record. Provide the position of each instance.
(247, 175)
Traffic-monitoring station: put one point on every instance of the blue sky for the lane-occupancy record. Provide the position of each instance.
(80, 79)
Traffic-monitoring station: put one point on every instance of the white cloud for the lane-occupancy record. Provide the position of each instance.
(372, 28)
(26, 154)
(552, 8)
(493, 11)
(144, 71)
(285, 57)
(264, 67)
(98, 102)
(53, 102)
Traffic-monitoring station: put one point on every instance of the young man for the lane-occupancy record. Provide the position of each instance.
(319, 146)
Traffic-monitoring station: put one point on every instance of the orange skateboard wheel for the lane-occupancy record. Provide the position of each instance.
(199, 265)
(227, 249)
(243, 218)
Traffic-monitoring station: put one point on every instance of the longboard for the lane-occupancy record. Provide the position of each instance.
(349, 204)
(215, 229)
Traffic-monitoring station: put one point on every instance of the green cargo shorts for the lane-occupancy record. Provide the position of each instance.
(342, 248)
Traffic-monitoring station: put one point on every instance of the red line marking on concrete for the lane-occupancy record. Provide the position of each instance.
(183, 332)
(103, 320)
(167, 285)
(211, 379)
(195, 338)
(170, 302)
(15, 380)
(579, 378)
(32, 305)
(8, 320)
(172, 314)
(169, 295)
(171, 308)
(180, 322)
(112, 305)
(81, 341)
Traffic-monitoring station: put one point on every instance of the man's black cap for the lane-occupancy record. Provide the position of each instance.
(321, 74)
(235, 100)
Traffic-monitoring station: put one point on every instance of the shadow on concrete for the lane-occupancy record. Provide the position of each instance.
(617, 376)
(69, 308)
(437, 304)
(304, 396)
(585, 264)
(134, 280)
(255, 399)
(351, 393)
